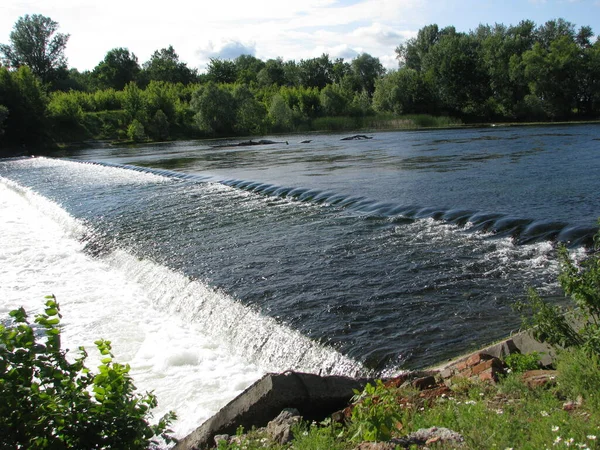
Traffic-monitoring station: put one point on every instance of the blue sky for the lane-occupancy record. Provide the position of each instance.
(200, 29)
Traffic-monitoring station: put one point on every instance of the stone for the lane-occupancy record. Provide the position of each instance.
(474, 359)
(536, 378)
(316, 398)
(424, 383)
(430, 435)
(494, 363)
(280, 428)
(221, 437)
(375, 446)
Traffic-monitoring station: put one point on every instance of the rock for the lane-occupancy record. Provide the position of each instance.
(478, 366)
(249, 143)
(356, 137)
(316, 397)
(573, 405)
(375, 446)
(428, 436)
(308, 141)
(221, 437)
(424, 383)
(536, 378)
(280, 428)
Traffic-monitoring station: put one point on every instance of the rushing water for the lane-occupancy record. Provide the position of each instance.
(208, 266)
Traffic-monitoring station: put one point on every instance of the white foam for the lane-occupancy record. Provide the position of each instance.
(195, 347)
(190, 372)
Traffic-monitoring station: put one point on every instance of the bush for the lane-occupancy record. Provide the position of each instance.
(567, 326)
(376, 413)
(50, 402)
(519, 363)
(136, 132)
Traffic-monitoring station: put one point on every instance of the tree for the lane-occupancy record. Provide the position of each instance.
(215, 109)
(118, 68)
(22, 94)
(335, 100)
(250, 113)
(553, 74)
(164, 65)
(280, 113)
(221, 70)
(412, 53)
(134, 102)
(33, 45)
(315, 72)
(272, 73)
(247, 68)
(461, 81)
(366, 69)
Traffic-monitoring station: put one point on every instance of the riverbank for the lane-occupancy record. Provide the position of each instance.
(365, 124)
(496, 397)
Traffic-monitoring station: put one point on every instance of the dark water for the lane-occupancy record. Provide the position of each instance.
(398, 251)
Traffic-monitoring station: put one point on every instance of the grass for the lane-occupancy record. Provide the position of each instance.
(506, 415)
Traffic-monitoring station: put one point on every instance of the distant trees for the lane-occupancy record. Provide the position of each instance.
(118, 68)
(23, 104)
(34, 43)
(520, 72)
(164, 65)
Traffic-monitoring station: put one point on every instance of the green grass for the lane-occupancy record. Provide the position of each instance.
(506, 415)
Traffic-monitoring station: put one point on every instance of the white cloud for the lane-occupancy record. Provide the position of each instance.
(269, 28)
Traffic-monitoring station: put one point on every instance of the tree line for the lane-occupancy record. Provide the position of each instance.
(516, 73)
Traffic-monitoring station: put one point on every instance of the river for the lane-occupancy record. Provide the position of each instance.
(207, 265)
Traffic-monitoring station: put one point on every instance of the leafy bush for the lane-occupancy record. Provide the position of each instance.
(518, 362)
(135, 131)
(375, 414)
(570, 327)
(50, 402)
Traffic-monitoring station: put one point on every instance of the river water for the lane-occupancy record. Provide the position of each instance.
(207, 266)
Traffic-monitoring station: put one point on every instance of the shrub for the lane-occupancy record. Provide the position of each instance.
(136, 132)
(570, 327)
(518, 362)
(51, 402)
(375, 414)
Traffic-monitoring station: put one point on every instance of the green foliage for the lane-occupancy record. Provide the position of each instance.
(164, 65)
(159, 126)
(136, 132)
(335, 100)
(23, 95)
(315, 437)
(134, 102)
(579, 375)
(214, 107)
(280, 114)
(221, 71)
(376, 413)
(34, 44)
(118, 68)
(568, 327)
(50, 402)
(3, 116)
(519, 363)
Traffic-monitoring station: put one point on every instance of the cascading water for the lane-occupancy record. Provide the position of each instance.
(207, 267)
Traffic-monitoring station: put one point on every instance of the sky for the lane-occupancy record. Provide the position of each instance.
(199, 30)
